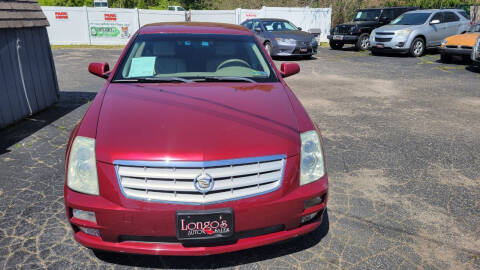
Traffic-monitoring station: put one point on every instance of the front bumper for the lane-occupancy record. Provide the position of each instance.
(389, 44)
(133, 226)
(294, 50)
(456, 51)
(344, 38)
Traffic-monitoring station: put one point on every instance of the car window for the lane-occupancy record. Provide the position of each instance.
(180, 9)
(367, 15)
(450, 17)
(398, 12)
(279, 26)
(256, 24)
(411, 19)
(388, 14)
(438, 16)
(248, 24)
(464, 14)
(171, 8)
(192, 56)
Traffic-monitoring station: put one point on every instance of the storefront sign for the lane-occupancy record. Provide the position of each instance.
(110, 30)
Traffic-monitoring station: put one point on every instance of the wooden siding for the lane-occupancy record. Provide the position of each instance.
(28, 80)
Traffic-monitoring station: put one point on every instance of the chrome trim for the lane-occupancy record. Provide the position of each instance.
(203, 164)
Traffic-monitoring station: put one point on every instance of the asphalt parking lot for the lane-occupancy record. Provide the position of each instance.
(402, 143)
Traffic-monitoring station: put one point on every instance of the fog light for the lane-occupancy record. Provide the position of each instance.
(400, 44)
(90, 231)
(307, 218)
(84, 215)
(312, 202)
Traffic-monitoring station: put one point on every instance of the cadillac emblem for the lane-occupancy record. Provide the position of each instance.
(203, 182)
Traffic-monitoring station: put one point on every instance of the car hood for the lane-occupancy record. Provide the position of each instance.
(195, 122)
(297, 35)
(392, 27)
(359, 23)
(467, 39)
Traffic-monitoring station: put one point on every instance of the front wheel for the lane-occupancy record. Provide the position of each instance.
(336, 45)
(418, 47)
(363, 42)
(445, 58)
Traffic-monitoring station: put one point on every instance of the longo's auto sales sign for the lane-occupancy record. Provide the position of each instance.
(110, 28)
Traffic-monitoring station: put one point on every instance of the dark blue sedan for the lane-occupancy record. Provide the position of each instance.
(283, 38)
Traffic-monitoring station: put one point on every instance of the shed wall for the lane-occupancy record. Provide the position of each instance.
(28, 80)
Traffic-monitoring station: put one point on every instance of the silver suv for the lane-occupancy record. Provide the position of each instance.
(414, 31)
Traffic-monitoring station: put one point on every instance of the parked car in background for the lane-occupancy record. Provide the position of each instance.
(415, 31)
(358, 31)
(461, 44)
(100, 3)
(476, 51)
(282, 38)
(175, 8)
(194, 146)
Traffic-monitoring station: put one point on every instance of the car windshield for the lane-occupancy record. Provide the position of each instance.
(367, 15)
(193, 57)
(474, 28)
(411, 19)
(279, 26)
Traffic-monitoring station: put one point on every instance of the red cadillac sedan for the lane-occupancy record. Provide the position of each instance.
(195, 145)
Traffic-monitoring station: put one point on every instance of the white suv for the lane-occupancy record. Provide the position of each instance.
(414, 31)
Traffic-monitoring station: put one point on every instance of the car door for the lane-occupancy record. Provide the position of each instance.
(452, 23)
(435, 32)
(259, 30)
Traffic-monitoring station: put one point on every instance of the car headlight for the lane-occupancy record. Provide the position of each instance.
(285, 40)
(313, 41)
(82, 168)
(444, 42)
(352, 29)
(403, 33)
(312, 165)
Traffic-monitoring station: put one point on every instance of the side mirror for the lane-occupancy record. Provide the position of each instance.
(434, 21)
(99, 69)
(299, 28)
(257, 29)
(289, 69)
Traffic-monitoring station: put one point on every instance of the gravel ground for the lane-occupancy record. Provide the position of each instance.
(402, 147)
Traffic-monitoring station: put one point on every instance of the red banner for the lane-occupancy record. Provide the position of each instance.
(110, 17)
(61, 15)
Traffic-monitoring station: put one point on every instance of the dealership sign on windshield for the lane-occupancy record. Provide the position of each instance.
(109, 30)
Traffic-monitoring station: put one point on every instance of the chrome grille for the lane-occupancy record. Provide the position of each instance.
(385, 33)
(173, 182)
(342, 29)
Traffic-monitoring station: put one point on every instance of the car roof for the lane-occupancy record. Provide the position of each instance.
(433, 10)
(270, 19)
(194, 28)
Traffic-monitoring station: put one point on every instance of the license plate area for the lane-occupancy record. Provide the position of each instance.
(380, 46)
(337, 37)
(208, 225)
(303, 50)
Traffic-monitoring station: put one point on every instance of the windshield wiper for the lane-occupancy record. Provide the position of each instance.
(156, 79)
(224, 79)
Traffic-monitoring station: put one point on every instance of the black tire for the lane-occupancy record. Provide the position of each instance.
(363, 42)
(268, 47)
(445, 58)
(374, 52)
(336, 45)
(417, 49)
